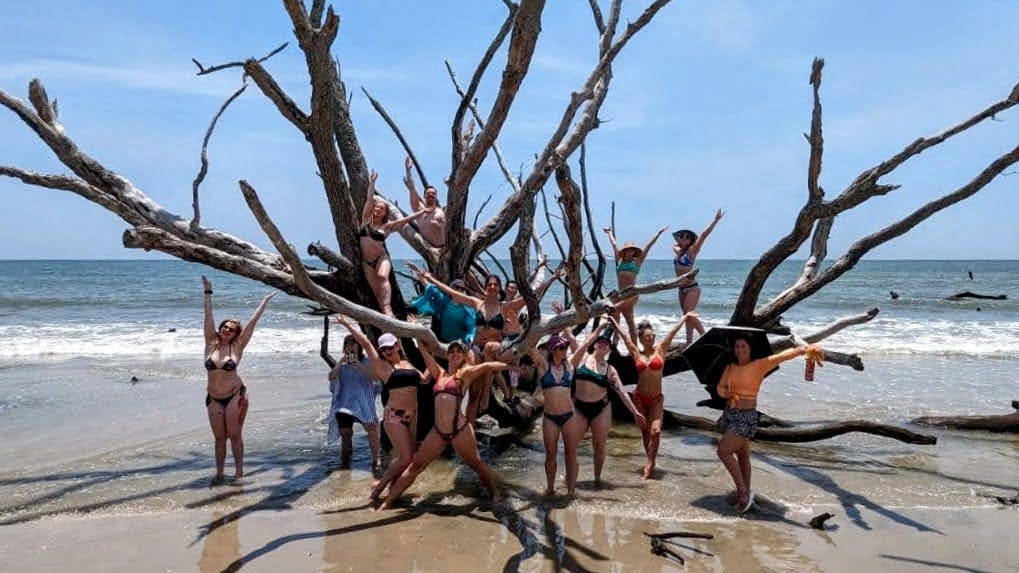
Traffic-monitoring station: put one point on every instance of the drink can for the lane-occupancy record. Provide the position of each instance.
(808, 373)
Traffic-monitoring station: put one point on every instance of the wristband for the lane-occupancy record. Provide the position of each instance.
(208, 292)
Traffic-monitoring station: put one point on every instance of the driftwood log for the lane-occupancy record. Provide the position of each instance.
(1000, 423)
(805, 433)
(970, 294)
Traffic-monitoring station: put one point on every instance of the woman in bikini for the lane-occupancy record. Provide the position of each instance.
(226, 396)
(556, 387)
(688, 246)
(490, 321)
(629, 259)
(375, 227)
(739, 384)
(592, 378)
(399, 419)
(450, 427)
(649, 359)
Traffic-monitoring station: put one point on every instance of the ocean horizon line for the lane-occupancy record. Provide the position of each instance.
(174, 259)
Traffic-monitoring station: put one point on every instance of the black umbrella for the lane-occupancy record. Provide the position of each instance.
(711, 353)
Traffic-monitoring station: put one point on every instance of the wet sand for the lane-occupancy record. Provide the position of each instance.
(134, 495)
(465, 537)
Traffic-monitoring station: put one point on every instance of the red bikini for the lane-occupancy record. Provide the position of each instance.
(656, 364)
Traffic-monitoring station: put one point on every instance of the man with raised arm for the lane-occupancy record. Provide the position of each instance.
(432, 224)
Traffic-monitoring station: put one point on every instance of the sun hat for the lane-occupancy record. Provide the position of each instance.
(387, 340)
(632, 245)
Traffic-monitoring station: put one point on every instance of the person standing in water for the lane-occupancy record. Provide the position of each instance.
(226, 396)
(353, 400)
(649, 359)
(739, 385)
(687, 247)
(451, 427)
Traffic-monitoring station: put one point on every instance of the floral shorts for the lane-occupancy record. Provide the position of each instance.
(743, 423)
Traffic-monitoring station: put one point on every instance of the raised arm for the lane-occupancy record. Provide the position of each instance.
(245, 336)
(369, 348)
(408, 179)
(210, 323)
(540, 363)
(795, 352)
(398, 224)
(631, 345)
(695, 248)
(478, 371)
(617, 385)
(612, 241)
(651, 243)
(578, 355)
(323, 349)
(454, 294)
(369, 200)
(431, 366)
(666, 343)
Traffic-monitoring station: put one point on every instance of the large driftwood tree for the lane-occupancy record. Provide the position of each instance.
(325, 123)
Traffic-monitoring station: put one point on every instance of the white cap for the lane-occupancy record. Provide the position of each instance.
(387, 340)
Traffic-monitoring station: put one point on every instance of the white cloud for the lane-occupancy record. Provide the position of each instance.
(174, 79)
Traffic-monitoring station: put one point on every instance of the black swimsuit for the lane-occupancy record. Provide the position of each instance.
(378, 236)
(230, 365)
(590, 410)
(497, 322)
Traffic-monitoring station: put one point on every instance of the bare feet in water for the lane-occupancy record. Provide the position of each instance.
(649, 471)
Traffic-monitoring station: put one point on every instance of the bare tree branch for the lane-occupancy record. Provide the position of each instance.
(560, 145)
(599, 274)
(866, 244)
(839, 324)
(467, 97)
(399, 135)
(196, 221)
(272, 90)
(570, 200)
(524, 38)
(202, 70)
(513, 181)
(330, 300)
(480, 209)
(816, 137)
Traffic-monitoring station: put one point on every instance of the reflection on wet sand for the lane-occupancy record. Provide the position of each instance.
(222, 543)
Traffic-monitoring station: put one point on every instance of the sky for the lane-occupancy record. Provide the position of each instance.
(707, 110)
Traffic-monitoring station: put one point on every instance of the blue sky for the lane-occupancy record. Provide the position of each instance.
(707, 111)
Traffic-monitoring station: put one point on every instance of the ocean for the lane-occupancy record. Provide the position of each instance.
(102, 389)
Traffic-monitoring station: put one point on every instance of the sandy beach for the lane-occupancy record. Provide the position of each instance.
(461, 535)
(149, 506)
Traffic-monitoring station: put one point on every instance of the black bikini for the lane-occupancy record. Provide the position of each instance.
(403, 378)
(375, 235)
(224, 402)
(497, 322)
(590, 410)
(229, 365)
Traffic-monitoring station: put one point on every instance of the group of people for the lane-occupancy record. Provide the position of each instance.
(573, 378)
